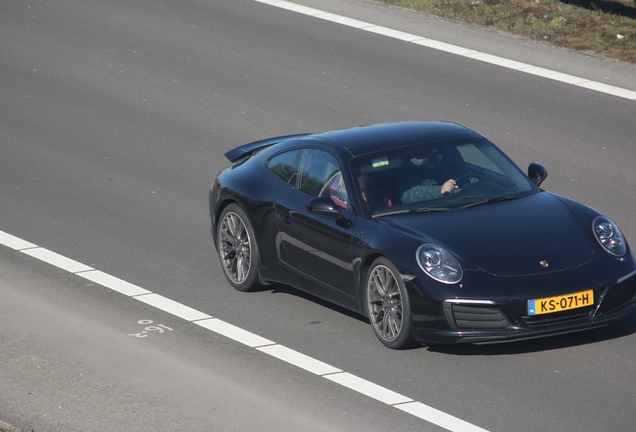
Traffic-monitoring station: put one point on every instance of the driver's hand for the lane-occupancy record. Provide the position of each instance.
(448, 186)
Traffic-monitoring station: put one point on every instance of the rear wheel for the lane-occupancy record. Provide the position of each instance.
(237, 249)
(388, 305)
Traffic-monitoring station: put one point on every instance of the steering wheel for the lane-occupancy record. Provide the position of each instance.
(470, 175)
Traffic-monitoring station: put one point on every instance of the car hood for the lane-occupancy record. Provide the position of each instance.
(537, 234)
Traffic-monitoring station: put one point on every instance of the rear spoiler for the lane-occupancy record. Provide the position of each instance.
(246, 150)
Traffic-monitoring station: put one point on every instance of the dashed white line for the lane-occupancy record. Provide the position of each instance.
(454, 49)
(252, 340)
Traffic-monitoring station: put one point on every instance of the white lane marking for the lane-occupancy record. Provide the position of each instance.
(172, 307)
(116, 284)
(368, 388)
(454, 49)
(266, 346)
(395, 34)
(233, 332)
(56, 260)
(498, 61)
(14, 242)
(339, 19)
(294, 7)
(555, 76)
(298, 359)
(446, 47)
(440, 418)
(606, 88)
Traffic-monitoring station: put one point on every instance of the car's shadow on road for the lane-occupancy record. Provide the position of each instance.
(624, 328)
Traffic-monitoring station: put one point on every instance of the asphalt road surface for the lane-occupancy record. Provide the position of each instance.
(114, 117)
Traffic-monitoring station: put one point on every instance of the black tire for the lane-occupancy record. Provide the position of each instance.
(388, 305)
(237, 248)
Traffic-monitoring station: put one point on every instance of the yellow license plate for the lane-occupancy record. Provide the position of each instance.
(560, 303)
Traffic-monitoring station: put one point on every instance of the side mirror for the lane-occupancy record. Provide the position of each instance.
(324, 205)
(537, 173)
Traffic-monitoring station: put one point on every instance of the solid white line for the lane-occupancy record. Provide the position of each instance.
(446, 47)
(266, 346)
(233, 332)
(300, 360)
(553, 75)
(454, 49)
(346, 21)
(56, 260)
(294, 7)
(608, 89)
(14, 242)
(438, 417)
(395, 34)
(172, 307)
(498, 61)
(368, 388)
(116, 284)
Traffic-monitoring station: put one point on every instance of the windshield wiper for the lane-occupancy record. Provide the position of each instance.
(413, 210)
(491, 200)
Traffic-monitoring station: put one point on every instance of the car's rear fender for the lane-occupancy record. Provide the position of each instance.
(260, 210)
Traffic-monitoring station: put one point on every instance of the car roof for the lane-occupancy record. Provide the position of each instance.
(361, 140)
(365, 139)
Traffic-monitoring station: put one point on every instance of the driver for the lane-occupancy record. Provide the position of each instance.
(434, 174)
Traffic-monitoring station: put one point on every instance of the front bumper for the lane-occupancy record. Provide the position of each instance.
(490, 321)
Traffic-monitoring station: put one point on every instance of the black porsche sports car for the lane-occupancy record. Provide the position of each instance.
(426, 228)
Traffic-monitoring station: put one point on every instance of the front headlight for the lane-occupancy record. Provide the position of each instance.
(609, 236)
(439, 264)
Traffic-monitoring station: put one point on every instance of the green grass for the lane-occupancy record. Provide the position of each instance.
(604, 28)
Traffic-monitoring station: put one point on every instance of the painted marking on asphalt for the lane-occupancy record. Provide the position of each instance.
(233, 332)
(252, 340)
(144, 333)
(14, 242)
(172, 307)
(368, 388)
(298, 359)
(454, 49)
(437, 417)
(116, 284)
(56, 260)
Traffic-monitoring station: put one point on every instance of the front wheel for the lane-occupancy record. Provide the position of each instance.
(237, 249)
(388, 305)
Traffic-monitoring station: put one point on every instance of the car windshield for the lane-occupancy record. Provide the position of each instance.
(437, 177)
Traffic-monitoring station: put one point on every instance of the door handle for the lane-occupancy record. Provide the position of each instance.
(284, 218)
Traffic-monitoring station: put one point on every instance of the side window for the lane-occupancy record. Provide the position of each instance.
(335, 189)
(285, 166)
(320, 175)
